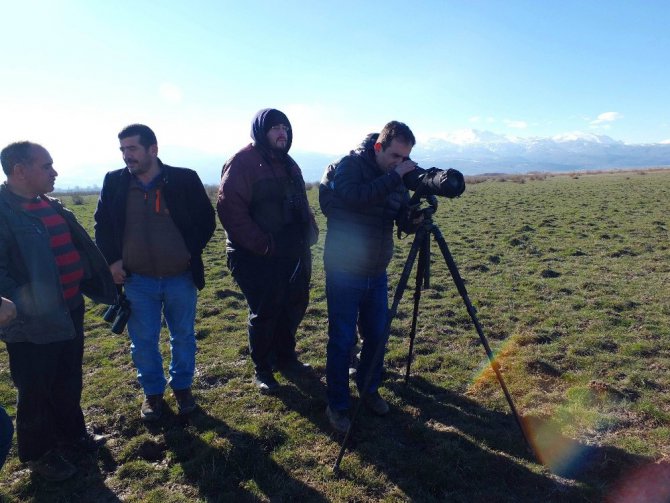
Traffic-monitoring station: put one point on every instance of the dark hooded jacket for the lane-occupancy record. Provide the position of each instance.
(262, 202)
(362, 203)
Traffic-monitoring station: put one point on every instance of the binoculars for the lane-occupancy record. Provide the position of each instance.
(118, 314)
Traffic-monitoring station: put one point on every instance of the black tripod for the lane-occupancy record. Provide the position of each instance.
(421, 247)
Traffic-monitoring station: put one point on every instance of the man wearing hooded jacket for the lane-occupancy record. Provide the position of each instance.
(262, 205)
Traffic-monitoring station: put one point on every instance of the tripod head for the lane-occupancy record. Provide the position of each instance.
(423, 204)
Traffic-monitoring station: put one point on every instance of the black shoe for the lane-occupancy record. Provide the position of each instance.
(266, 383)
(90, 442)
(52, 467)
(185, 400)
(293, 367)
(152, 408)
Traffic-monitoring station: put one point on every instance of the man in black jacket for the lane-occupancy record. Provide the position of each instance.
(366, 197)
(152, 223)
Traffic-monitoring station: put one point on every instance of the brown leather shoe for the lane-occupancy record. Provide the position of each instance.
(152, 408)
(185, 400)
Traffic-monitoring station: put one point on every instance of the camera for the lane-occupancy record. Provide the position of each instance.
(435, 182)
(295, 209)
(118, 314)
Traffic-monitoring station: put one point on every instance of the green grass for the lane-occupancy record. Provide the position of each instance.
(570, 278)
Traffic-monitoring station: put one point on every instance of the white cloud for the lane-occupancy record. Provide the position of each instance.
(476, 119)
(516, 124)
(666, 142)
(324, 129)
(171, 93)
(606, 117)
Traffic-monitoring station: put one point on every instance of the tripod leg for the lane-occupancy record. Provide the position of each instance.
(422, 272)
(460, 285)
(420, 236)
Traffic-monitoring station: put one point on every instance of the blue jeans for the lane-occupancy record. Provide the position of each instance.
(351, 299)
(176, 298)
(6, 434)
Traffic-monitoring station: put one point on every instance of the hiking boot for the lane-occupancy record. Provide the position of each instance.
(294, 366)
(152, 408)
(338, 419)
(376, 403)
(185, 401)
(266, 383)
(52, 467)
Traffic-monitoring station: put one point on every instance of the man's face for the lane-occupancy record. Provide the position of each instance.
(278, 136)
(39, 173)
(397, 152)
(138, 159)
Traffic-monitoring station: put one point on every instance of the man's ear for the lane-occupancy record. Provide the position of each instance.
(19, 169)
(153, 150)
(378, 147)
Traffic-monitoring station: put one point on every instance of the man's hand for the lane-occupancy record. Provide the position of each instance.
(405, 167)
(7, 311)
(118, 272)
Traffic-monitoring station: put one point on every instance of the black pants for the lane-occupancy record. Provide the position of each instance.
(277, 292)
(48, 378)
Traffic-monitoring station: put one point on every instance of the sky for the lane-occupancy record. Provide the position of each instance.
(74, 73)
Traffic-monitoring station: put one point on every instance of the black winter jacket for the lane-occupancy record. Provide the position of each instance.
(365, 203)
(189, 205)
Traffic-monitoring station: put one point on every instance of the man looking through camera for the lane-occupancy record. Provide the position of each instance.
(367, 196)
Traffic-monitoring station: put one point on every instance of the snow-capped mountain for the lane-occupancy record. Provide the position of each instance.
(473, 152)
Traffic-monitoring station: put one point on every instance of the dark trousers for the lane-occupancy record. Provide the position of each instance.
(277, 292)
(6, 434)
(48, 378)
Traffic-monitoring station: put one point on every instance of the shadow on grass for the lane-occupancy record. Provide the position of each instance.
(231, 465)
(447, 448)
(87, 485)
(443, 446)
(494, 459)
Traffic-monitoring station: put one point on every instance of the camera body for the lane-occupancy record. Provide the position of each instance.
(294, 208)
(118, 314)
(435, 182)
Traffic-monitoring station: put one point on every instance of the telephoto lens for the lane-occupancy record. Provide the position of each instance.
(435, 182)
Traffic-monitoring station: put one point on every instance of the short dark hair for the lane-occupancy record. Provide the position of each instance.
(15, 153)
(395, 130)
(147, 136)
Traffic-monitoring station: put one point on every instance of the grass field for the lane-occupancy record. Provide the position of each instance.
(570, 276)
